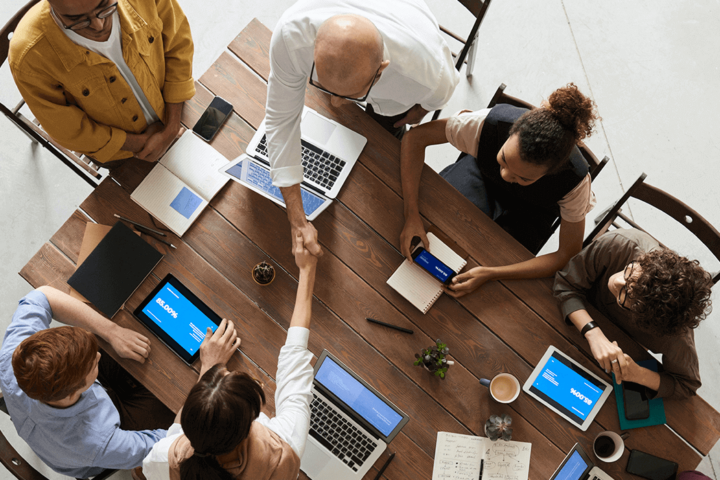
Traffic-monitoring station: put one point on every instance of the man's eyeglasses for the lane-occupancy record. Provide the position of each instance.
(623, 295)
(102, 14)
(372, 82)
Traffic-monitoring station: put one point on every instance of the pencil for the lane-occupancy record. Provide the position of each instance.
(157, 232)
(382, 470)
(389, 325)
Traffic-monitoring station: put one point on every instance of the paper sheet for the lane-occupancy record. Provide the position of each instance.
(459, 457)
(196, 163)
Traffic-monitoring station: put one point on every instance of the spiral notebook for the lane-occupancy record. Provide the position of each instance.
(419, 287)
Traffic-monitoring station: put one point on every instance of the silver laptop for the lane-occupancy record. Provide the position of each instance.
(577, 466)
(350, 423)
(329, 151)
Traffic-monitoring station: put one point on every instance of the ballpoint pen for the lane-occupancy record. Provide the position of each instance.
(140, 225)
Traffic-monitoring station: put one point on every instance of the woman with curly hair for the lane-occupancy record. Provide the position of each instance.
(521, 167)
(654, 294)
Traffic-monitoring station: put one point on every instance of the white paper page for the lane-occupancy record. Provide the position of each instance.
(507, 460)
(196, 163)
(445, 254)
(457, 457)
(160, 190)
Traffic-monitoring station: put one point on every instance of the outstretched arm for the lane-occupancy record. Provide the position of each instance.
(303, 300)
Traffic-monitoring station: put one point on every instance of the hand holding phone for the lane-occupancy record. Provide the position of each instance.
(212, 119)
(433, 266)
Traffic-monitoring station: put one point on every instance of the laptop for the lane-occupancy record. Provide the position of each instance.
(577, 466)
(329, 151)
(350, 423)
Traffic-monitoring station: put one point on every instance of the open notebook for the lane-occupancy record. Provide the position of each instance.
(465, 457)
(419, 287)
(177, 190)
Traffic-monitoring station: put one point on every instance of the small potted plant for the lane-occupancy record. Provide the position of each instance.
(498, 426)
(434, 359)
(263, 273)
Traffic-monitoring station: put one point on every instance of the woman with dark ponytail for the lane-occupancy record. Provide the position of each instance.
(521, 167)
(222, 433)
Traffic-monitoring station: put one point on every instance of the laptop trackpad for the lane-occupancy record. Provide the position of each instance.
(314, 460)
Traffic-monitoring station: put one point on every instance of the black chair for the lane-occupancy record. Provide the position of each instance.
(79, 164)
(17, 465)
(667, 204)
(478, 8)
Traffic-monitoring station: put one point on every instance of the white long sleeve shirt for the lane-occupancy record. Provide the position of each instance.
(421, 69)
(292, 405)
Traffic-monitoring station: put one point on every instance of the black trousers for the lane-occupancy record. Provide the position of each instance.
(388, 123)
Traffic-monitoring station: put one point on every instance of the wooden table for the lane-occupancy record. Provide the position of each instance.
(502, 327)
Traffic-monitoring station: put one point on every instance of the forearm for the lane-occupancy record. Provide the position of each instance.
(303, 300)
(580, 318)
(647, 378)
(294, 205)
(72, 311)
(538, 267)
(173, 114)
(412, 158)
(134, 142)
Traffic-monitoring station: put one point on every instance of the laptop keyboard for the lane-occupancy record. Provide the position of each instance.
(339, 436)
(319, 167)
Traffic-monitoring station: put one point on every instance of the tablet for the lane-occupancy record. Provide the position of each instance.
(177, 317)
(567, 388)
(256, 176)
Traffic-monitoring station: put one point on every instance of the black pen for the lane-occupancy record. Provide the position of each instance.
(163, 241)
(382, 470)
(156, 232)
(389, 325)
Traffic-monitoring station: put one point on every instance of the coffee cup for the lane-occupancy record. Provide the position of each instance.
(504, 387)
(608, 446)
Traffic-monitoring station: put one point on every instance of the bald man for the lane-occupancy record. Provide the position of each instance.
(107, 78)
(389, 54)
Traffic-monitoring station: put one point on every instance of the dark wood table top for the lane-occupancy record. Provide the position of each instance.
(502, 327)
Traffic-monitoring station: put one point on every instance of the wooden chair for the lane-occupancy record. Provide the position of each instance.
(17, 465)
(80, 164)
(667, 204)
(478, 8)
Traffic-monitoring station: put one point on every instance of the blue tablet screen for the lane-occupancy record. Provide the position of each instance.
(179, 318)
(567, 387)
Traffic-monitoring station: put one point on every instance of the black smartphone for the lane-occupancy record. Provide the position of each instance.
(212, 118)
(651, 467)
(433, 266)
(637, 405)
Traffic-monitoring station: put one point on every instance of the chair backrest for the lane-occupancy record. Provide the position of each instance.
(9, 28)
(666, 203)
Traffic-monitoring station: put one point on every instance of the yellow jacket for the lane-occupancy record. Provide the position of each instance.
(80, 98)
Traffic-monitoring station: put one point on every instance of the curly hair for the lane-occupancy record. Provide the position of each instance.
(547, 135)
(671, 293)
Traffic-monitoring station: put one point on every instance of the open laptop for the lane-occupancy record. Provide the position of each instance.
(577, 466)
(350, 423)
(329, 151)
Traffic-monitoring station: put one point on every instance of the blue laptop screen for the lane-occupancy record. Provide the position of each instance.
(573, 469)
(260, 178)
(358, 397)
(179, 318)
(567, 387)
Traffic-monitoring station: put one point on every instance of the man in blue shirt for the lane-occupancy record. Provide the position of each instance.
(49, 377)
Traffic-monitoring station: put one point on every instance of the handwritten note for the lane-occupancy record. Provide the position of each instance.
(465, 457)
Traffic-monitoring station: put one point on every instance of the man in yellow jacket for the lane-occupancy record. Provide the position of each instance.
(107, 78)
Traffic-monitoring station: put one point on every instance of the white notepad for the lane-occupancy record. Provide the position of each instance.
(466, 457)
(419, 287)
(180, 186)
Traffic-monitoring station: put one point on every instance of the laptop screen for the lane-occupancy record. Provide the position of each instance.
(357, 396)
(573, 469)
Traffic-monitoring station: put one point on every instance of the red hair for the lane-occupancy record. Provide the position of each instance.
(52, 364)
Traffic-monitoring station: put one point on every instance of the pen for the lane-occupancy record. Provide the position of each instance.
(157, 232)
(382, 470)
(389, 325)
(164, 241)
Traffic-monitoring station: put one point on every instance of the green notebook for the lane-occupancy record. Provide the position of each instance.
(657, 409)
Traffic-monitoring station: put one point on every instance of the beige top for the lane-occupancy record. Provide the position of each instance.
(463, 132)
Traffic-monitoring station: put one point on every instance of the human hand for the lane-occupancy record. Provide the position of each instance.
(303, 258)
(307, 235)
(128, 343)
(159, 140)
(218, 347)
(137, 473)
(608, 354)
(632, 372)
(413, 228)
(467, 282)
(414, 115)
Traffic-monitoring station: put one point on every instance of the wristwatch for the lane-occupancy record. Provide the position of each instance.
(588, 326)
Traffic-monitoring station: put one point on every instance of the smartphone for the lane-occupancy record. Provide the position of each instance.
(212, 118)
(433, 266)
(637, 405)
(651, 467)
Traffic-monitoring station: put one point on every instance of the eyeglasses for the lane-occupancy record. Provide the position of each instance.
(102, 14)
(310, 81)
(623, 295)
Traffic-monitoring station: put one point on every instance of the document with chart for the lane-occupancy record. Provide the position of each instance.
(466, 457)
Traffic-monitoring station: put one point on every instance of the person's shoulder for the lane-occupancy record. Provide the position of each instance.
(28, 35)
(629, 239)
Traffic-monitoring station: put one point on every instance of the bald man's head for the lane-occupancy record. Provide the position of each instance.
(348, 52)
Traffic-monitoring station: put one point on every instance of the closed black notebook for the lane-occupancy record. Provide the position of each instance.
(115, 269)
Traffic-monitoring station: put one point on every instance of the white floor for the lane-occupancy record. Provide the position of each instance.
(651, 66)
